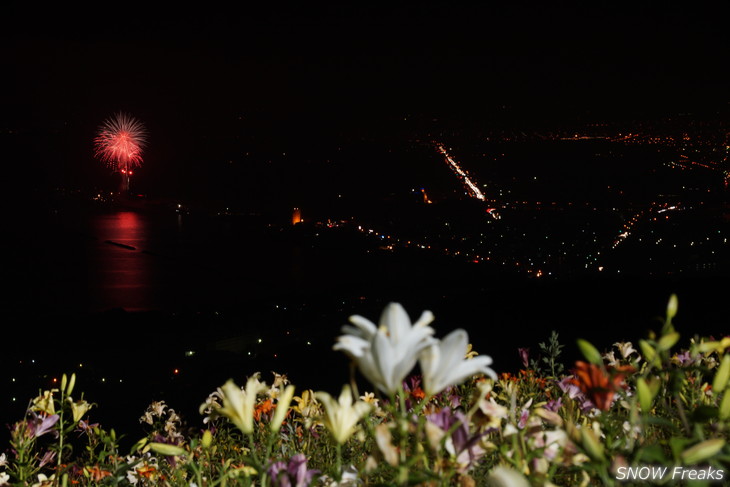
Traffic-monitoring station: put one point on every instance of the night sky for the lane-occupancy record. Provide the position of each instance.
(299, 73)
(204, 59)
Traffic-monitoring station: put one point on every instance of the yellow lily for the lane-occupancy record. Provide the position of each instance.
(238, 405)
(44, 402)
(306, 404)
(282, 407)
(79, 408)
(342, 416)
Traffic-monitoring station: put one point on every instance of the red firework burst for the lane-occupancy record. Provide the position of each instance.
(120, 141)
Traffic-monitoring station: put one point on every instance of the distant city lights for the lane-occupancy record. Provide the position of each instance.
(472, 188)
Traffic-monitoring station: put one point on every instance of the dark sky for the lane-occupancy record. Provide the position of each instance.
(205, 59)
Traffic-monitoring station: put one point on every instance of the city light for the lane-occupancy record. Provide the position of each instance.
(472, 188)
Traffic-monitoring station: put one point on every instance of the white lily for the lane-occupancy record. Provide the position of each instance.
(341, 417)
(238, 404)
(443, 363)
(626, 349)
(386, 354)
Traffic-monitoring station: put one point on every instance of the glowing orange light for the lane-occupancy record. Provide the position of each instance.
(296, 216)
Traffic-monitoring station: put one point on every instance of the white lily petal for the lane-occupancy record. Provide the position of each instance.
(345, 397)
(453, 347)
(385, 361)
(417, 340)
(425, 319)
(233, 396)
(429, 360)
(444, 364)
(371, 371)
(352, 345)
(397, 321)
(466, 369)
(366, 327)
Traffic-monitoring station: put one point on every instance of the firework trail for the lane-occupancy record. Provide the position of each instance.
(119, 143)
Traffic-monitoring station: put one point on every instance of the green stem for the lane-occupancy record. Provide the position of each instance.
(267, 454)
(254, 456)
(682, 415)
(269, 444)
(403, 430)
(60, 433)
(338, 471)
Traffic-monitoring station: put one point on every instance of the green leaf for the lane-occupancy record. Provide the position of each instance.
(704, 413)
(652, 454)
(663, 423)
(676, 381)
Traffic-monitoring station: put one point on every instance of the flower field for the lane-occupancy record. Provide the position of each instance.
(435, 414)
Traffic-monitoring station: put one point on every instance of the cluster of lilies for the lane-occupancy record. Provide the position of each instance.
(455, 422)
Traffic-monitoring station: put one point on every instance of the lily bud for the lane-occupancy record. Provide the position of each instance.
(167, 449)
(573, 431)
(722, 375)
(590, 352)
(207, 439)
(649, 353)
(71, 384)
(672, 306)
(549, 416)
(593, 447)
(668, 341)
(702, 451)
(645, 395)
(724, 412)
(139, 445)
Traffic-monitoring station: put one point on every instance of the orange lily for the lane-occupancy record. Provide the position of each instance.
(598, 384)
